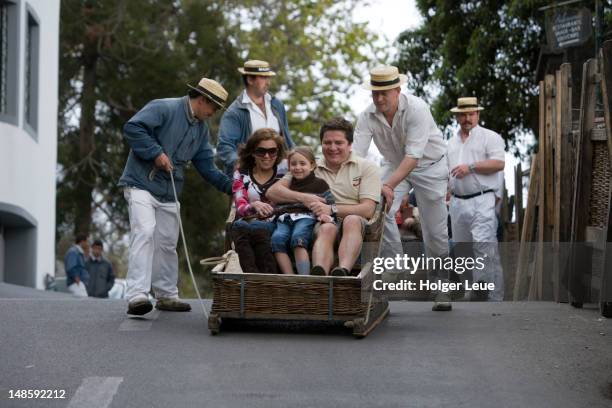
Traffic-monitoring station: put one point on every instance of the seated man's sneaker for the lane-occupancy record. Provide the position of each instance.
(172, 305)
(442, 303)
(317, 270)
(139, 307)
(339, 271)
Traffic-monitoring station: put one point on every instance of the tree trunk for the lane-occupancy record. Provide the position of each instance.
(86, 178)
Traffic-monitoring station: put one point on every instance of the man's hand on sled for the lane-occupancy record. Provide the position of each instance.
(389, 195)
(263, 210)
(163, 162)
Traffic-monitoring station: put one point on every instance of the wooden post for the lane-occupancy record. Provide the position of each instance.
(582, 193)
(606, 88)
(564, 176)
(527, 231)
(605, 58)
(518, 195)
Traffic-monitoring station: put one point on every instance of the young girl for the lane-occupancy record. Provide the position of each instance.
(294, 228)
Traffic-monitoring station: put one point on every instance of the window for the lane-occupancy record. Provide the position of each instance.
(9, 43)
(30, 105)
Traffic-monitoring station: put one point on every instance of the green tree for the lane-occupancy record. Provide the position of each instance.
(113, 60)
(488, 49)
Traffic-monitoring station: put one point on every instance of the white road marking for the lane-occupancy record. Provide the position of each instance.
(95, 392)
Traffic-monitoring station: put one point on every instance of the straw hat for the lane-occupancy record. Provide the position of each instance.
(467, 104)
(212, 90)
(385, 77)
(256, 67)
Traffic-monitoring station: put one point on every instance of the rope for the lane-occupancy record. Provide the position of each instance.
(178, 217)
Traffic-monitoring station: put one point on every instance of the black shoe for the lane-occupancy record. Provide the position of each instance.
(479, 295)
(339, 271)
(442, 303)
(139, 307)
(317, 270)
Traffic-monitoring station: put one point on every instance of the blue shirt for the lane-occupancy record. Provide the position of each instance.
(74, 264)
(167, 125)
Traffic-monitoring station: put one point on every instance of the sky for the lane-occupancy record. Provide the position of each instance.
(389, 18)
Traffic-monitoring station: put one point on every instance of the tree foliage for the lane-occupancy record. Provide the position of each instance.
(487, 49)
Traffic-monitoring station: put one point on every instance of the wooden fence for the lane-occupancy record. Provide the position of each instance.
(568, 203)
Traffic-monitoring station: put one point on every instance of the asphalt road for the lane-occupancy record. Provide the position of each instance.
(478, 355)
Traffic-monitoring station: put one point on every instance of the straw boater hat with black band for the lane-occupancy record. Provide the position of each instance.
(256, 67)
(467, 104)
(385, 77)
(212, 90)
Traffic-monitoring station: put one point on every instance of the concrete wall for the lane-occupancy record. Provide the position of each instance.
(28, 157)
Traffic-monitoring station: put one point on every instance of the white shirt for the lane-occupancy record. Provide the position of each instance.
(481, 144)
(413, 133)
(258, 119)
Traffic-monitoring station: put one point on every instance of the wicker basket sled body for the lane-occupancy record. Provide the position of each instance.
(347, 301)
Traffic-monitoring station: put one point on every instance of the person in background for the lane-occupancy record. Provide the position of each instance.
(476, 155)
(101, 276)
(252, 110)
(74, 261)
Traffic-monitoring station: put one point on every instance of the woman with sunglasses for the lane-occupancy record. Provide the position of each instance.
(260, 164)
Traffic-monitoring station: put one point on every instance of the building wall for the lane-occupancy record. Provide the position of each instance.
(28, 157)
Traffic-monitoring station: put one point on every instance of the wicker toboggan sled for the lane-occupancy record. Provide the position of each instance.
(343, 300)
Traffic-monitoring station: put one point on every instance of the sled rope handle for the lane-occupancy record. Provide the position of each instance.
(178, 217)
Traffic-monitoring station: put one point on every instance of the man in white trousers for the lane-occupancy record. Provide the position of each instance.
(414, 153)
(475, 157)
(164, 136)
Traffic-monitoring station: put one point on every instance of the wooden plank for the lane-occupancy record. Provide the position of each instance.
(285, 278)
(520, 282)
(535, 283)
(583, 182)
(558, 162)
(606, 89)
(549, 84)
(518, 195)
(564, 176)
(543, 277)
(584, 153)
(273, 316)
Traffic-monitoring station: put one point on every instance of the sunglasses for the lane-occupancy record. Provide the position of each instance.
(262, 152)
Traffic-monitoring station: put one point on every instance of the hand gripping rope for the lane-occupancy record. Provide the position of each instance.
(178, 217)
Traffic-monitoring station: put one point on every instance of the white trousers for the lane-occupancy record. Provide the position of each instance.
(429, 185)
(474, 220)
(154, 232)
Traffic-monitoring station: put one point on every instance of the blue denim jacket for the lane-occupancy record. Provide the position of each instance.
(74, 264)
(235, 129)
(164, 125)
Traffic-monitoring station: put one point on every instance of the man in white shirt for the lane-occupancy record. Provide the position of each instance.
(475, 158)
(253, 109)
(414, 153)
